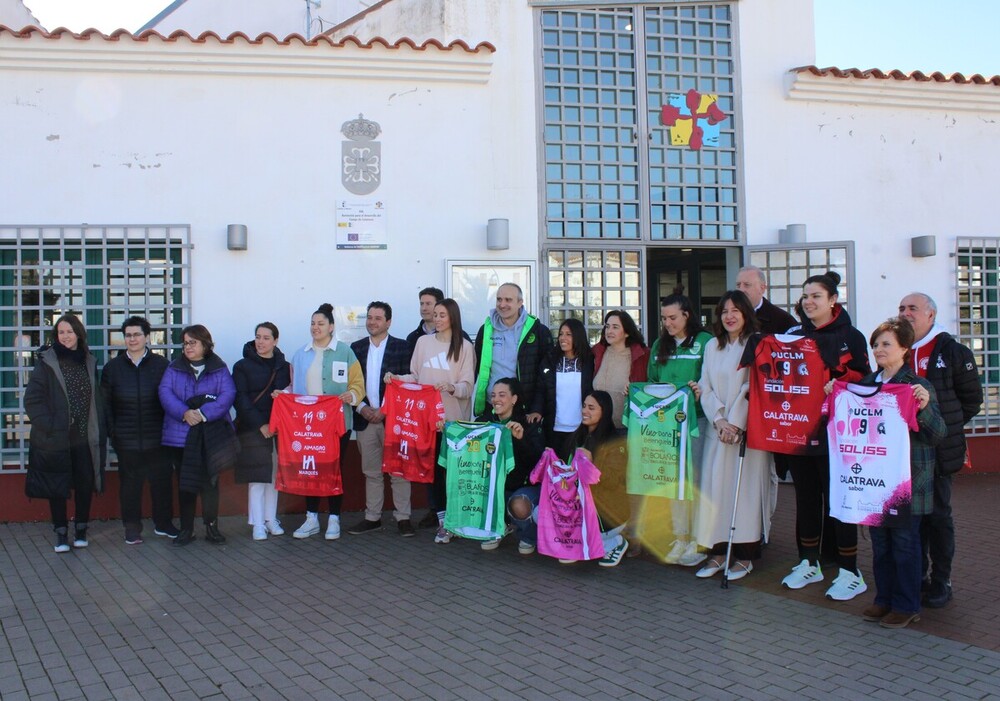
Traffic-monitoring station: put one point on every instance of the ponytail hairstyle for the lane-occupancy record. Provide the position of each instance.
(693, 327)
(828, 281)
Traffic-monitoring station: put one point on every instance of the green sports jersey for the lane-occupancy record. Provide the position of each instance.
(476, 458)
(661, 426)
(682, 367)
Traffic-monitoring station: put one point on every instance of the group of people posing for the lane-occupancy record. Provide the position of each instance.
(173, 417)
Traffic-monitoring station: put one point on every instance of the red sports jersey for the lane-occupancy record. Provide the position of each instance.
(786, 395)
(309, 430)
(412, 413)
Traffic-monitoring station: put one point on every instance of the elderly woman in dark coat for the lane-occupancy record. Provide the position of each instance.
(258, 376)
(67, 436)
(197, 393)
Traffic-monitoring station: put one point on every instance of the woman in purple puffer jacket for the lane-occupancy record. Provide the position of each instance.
(196, 389)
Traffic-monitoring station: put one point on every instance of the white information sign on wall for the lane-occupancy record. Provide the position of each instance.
(361, 225)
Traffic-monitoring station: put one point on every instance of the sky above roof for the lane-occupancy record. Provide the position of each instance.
(926, 35)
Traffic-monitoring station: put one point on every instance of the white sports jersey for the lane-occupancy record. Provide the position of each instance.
(869, 432)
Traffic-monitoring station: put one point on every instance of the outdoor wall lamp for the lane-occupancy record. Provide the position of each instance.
(236, 237)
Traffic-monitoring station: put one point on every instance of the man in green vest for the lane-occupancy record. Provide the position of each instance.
(511, 343)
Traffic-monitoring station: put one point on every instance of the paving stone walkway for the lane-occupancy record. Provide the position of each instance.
(382, 617)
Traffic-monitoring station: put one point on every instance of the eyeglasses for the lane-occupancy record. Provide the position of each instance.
(191, 343)
(135, 335)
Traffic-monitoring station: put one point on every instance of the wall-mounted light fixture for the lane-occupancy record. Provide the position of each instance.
(793, 233)
(498, 234)
(923, 246)
(236, 237)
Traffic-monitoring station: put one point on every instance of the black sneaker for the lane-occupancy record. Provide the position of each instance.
(62, 541)
(184, 537)
(168, 531)
(938, 596)
(212, 534)
(132, 538)
(429, 521)
(366, 526)
(406, 528)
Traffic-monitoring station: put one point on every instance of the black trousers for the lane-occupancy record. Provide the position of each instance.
(188, 500)
(334, 500)
(135, 467)
(811, 475)
(937, 534)
(82, 476)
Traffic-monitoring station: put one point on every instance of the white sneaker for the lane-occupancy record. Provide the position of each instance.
(490, 544)
(525, 548)
(442, 536)
(679, 546)
(310, 527)
(260, 532)
(803, 574)
(846, 586)
(332, 528)
(274, 527)
(691, 556)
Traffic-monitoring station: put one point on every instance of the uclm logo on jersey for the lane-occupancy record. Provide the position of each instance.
(849, 449)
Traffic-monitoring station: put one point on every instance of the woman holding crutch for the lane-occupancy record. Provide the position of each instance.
(726, 480)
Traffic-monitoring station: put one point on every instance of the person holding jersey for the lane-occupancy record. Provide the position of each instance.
(620, 358)
(446, 361)
(724, 399)
(196, 393)
(566, 377)
(605, 447)
(327, 367)
(896, 552)
(67, 443)
(259, 377)
(676, 358)
(845, 356)
(528, 445)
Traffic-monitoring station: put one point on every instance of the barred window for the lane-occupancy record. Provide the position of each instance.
(788, 266)
(978, 282)
(101, 274)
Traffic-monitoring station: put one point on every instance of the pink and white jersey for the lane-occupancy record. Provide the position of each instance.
(869, 432)
(567, 518)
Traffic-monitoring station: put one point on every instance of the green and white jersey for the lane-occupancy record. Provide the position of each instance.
(476, 458)
(661, 425)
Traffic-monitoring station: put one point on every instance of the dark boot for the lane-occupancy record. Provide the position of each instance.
(212, 534)
(62, 540)
(184, 537)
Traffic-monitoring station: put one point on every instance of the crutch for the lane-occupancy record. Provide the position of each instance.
(736, 501)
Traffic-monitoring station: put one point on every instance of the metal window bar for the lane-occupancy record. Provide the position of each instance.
(978, 298)
(587, 283)
(788, 266)
(103, 274)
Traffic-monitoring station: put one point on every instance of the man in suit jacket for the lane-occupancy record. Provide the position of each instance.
(751, 281)
(378, 354)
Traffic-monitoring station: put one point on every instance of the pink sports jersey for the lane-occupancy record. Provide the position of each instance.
(786, 395)
(412, 413)
(309, 430)
(567, 518)
(869, 435)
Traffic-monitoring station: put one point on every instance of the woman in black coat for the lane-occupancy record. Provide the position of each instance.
(67, 437)
(258, 378)
(566, 377)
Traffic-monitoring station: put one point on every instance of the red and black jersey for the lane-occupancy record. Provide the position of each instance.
(787, 374)
(412, 413)
(309, 430)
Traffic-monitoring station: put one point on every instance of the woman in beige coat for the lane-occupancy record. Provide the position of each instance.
(723, 389)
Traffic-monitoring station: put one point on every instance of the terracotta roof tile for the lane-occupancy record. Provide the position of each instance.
(918, 76)
(119, 34)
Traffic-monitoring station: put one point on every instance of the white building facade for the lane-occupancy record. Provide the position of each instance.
(126, 160)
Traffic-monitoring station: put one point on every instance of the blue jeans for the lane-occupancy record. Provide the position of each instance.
(896, 562)
(526, 529)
